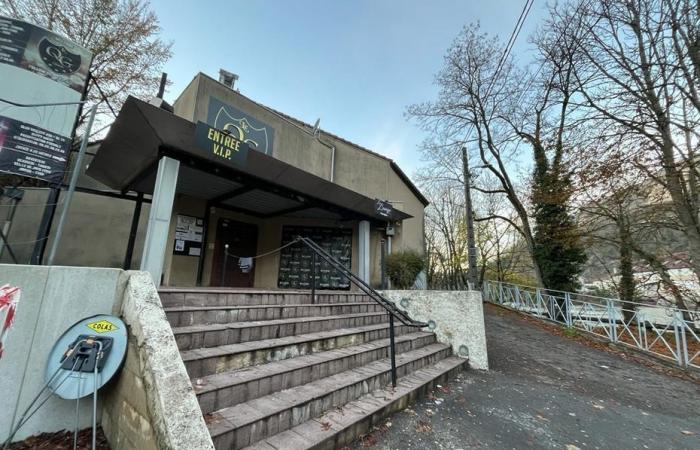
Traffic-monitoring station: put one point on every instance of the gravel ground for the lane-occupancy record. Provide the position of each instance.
(548, 391)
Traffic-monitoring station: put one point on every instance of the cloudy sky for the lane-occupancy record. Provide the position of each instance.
(355, 64)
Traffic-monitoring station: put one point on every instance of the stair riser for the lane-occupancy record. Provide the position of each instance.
(215, 338)
(348, 435)
(220, 316)
(239, 393)
(251, 433)
(170, 299)
(208, 366)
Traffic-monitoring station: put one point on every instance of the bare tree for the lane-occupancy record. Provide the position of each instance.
(642, 81)
(128, 55)
(476, 88)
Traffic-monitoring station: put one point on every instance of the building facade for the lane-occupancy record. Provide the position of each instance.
(263, 179)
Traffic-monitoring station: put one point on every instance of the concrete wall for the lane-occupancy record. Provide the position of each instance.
(456, 317)
(152, 405)
(52, 300)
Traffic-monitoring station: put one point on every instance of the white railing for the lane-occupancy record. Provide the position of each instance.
(664, 331)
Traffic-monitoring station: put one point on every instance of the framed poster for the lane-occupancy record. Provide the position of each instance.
(296, 268)
(188, 235)
(38, 66)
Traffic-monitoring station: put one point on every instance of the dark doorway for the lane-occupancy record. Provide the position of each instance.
(242, 240)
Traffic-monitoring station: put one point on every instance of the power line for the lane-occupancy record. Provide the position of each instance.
(471, 242)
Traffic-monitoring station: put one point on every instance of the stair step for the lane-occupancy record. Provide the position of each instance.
(207, 361)
(191, 315)
(231, 297)
(198, 336)
(246, 423)
(338, 428)
(219, 391)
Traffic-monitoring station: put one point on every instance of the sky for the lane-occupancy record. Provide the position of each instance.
(356, 65)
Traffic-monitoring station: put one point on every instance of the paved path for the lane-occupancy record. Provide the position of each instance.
(545, 391)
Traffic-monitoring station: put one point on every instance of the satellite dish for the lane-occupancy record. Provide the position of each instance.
(86, 356)
(81, 361)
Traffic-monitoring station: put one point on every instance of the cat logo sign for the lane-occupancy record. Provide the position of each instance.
(102, 326)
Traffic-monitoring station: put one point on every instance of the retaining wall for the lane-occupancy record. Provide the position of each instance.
(456, 317)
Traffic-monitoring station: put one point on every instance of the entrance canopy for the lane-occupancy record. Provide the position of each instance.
(260, 185)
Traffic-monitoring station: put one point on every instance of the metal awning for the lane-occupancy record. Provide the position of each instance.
(263, 186)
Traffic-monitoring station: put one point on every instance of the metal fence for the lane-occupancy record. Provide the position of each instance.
(664, 331)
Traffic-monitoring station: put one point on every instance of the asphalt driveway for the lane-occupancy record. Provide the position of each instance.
(547, 391)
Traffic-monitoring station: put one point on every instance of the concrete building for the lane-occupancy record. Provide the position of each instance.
(267, 178)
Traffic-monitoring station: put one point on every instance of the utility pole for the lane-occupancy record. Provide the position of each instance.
(469, 214)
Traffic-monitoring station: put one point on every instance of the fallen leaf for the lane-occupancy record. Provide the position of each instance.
(571, 447)
(424, 427)
(325, 426)
(688, 433)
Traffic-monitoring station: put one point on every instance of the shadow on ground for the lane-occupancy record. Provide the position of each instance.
(545, 391)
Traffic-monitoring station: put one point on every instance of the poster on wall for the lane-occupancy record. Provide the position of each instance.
(295, 269)
(38, 66)
(188, 235)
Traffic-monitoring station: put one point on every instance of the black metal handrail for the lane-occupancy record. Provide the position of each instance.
(367, 289)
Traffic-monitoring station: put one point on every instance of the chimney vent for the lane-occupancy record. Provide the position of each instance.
(227, 78)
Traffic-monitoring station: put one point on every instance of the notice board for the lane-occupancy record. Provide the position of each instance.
(295, 269)
(188, 235)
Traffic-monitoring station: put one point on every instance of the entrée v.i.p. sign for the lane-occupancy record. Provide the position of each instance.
(221, 144)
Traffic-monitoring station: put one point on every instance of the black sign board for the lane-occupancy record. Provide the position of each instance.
(258, 135)
(383, 208)
(31, 151)
(221, 144)
(296, 267)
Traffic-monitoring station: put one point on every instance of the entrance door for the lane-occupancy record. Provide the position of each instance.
(242, 240)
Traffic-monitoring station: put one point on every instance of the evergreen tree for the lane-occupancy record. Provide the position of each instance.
(558, 248)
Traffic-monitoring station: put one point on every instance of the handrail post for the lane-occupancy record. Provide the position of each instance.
(313, 277)
(392, 349)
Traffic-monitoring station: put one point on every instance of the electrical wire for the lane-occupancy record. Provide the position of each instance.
(506, 53)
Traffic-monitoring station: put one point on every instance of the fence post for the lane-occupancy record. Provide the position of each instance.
(677, 334)
(639, 329)
(517, 298)
(612, 322)
(538, 297)
(500, 293)
(568, 305)
(684, 342)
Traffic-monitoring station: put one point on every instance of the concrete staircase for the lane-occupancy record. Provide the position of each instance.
(271, 370)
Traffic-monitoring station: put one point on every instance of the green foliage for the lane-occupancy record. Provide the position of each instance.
(403, 267)
(558, 249)
(570, 332)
